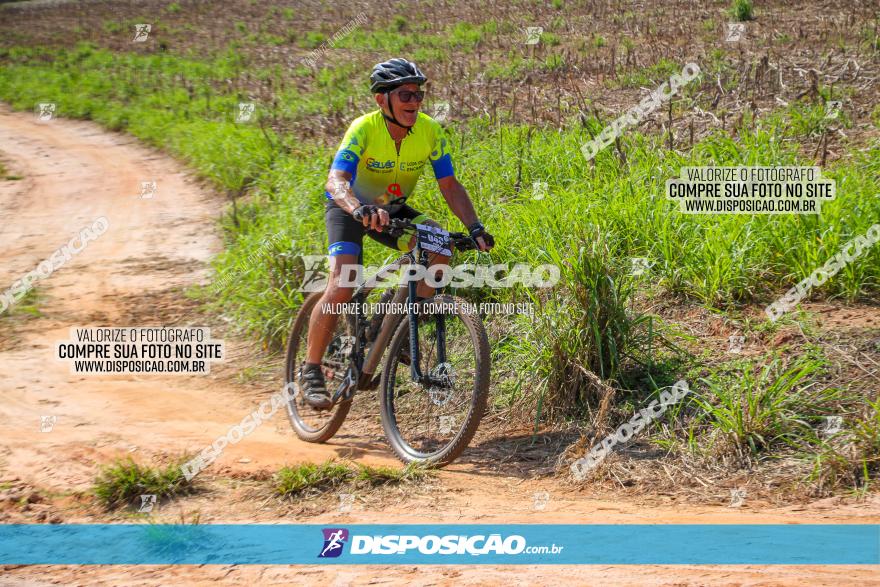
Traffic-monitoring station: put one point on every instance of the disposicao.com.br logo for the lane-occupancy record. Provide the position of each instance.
(452, 544)
(334, 541)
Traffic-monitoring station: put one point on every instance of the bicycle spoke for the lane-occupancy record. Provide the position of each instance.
(430, 416)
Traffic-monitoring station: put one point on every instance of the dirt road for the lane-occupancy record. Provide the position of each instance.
(133, 275)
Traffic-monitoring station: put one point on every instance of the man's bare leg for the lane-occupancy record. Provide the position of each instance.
(321, 324)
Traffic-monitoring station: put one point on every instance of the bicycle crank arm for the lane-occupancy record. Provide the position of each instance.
(347, 387)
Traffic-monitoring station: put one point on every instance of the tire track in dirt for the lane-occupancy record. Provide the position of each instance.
(75, 172)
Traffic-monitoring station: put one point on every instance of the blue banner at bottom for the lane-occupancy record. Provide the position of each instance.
(505, 544)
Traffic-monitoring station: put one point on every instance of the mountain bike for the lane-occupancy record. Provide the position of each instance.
(435, 382)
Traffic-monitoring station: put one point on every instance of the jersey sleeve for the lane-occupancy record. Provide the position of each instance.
(352, 147)
(441, 160)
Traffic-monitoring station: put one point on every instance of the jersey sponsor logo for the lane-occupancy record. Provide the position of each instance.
(410, 166)
(395, 190)
(379, 165)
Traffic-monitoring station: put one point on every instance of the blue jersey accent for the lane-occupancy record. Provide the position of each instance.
(346, 160)
(344, 248)
(443, 166)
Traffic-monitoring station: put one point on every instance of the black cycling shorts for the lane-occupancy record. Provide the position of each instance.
(346, 235)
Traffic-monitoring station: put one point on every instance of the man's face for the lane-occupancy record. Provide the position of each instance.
(406, 112)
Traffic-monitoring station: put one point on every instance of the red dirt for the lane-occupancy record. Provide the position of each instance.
(73, 173)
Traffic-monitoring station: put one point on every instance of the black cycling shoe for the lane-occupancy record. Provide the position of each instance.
(314, 391)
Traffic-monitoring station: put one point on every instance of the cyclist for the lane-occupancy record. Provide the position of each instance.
(375, 170)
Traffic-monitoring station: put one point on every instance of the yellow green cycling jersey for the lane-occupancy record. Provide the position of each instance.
(379, 174)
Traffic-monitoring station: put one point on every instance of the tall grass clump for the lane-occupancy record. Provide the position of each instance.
(318, 478)
(852, 454)
(124, 481)
(585, 327)
(741, 10)
(750, 409)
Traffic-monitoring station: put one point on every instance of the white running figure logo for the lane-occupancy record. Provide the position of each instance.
(335, 542)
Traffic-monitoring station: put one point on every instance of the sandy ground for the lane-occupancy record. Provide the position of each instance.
(133, 275)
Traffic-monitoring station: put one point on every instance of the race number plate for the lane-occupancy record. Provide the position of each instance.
(434, 240)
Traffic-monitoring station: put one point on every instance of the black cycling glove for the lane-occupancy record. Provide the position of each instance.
(478, 230)
(364, 211)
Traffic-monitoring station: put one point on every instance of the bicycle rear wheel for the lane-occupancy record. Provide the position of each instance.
(310, 424)
(434, 423)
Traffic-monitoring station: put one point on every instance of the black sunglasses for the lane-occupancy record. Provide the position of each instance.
(407, 95)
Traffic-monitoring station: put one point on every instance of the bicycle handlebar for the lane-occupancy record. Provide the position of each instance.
(398, 226)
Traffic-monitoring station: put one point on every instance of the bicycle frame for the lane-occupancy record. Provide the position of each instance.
(362, 369)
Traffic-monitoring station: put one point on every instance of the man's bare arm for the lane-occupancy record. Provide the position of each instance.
(341, 192)
(339, 189)
(458, 200)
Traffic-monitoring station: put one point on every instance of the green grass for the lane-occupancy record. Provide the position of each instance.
(295, 480)
(381, 475)
(752, 409)
(123, 482)
(852, 455)
(651, 76)
(28, 306)
(741, 10)
(615, 204)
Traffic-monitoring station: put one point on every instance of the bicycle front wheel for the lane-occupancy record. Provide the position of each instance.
(433, 422)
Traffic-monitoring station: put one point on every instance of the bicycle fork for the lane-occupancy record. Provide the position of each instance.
(414, 352)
